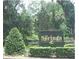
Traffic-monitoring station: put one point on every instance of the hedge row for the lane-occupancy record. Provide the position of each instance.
(65, 52)
(40, 51)
(48, 52)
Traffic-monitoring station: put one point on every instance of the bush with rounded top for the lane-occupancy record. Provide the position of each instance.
(14, 43)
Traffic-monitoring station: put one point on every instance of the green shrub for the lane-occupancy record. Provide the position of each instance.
(65, 52)
(59, 51)
(49, 51)
(57, 44)
(29, 46)
(69, 45)
(14, 43)
(69, 52)
(41, 51)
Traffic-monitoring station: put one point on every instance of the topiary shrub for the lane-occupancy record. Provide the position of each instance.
(40, 51)
(14, 43)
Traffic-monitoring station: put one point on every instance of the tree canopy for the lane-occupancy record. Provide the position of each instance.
(39, 15)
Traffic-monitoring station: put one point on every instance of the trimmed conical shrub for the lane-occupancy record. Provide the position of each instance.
(14, 43)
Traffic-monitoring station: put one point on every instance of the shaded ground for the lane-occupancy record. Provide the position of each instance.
(21, 57)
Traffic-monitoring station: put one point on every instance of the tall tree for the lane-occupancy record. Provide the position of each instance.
(68, 8)
(43, 18)
(25, 24)
(56, 13)
(51, 16)
(9, 14)
(12, 18)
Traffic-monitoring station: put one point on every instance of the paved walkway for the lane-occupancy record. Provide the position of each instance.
(20, 57)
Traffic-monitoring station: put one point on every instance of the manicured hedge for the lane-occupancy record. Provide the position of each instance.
(49, 51)
(41, 51)
(65, 52)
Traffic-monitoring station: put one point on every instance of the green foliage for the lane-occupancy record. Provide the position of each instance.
(60, 52)
(40, 51)
(33, 37)
(65, 52)
(14, 43)
(25, 24)
(10, 15)
(49, 51)
(42, 17)
(68, 8)
(30, 46)
(50, 18)
(69, 45)
(34, 7)
(57, 44)
(47, 16)
(12, 18)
